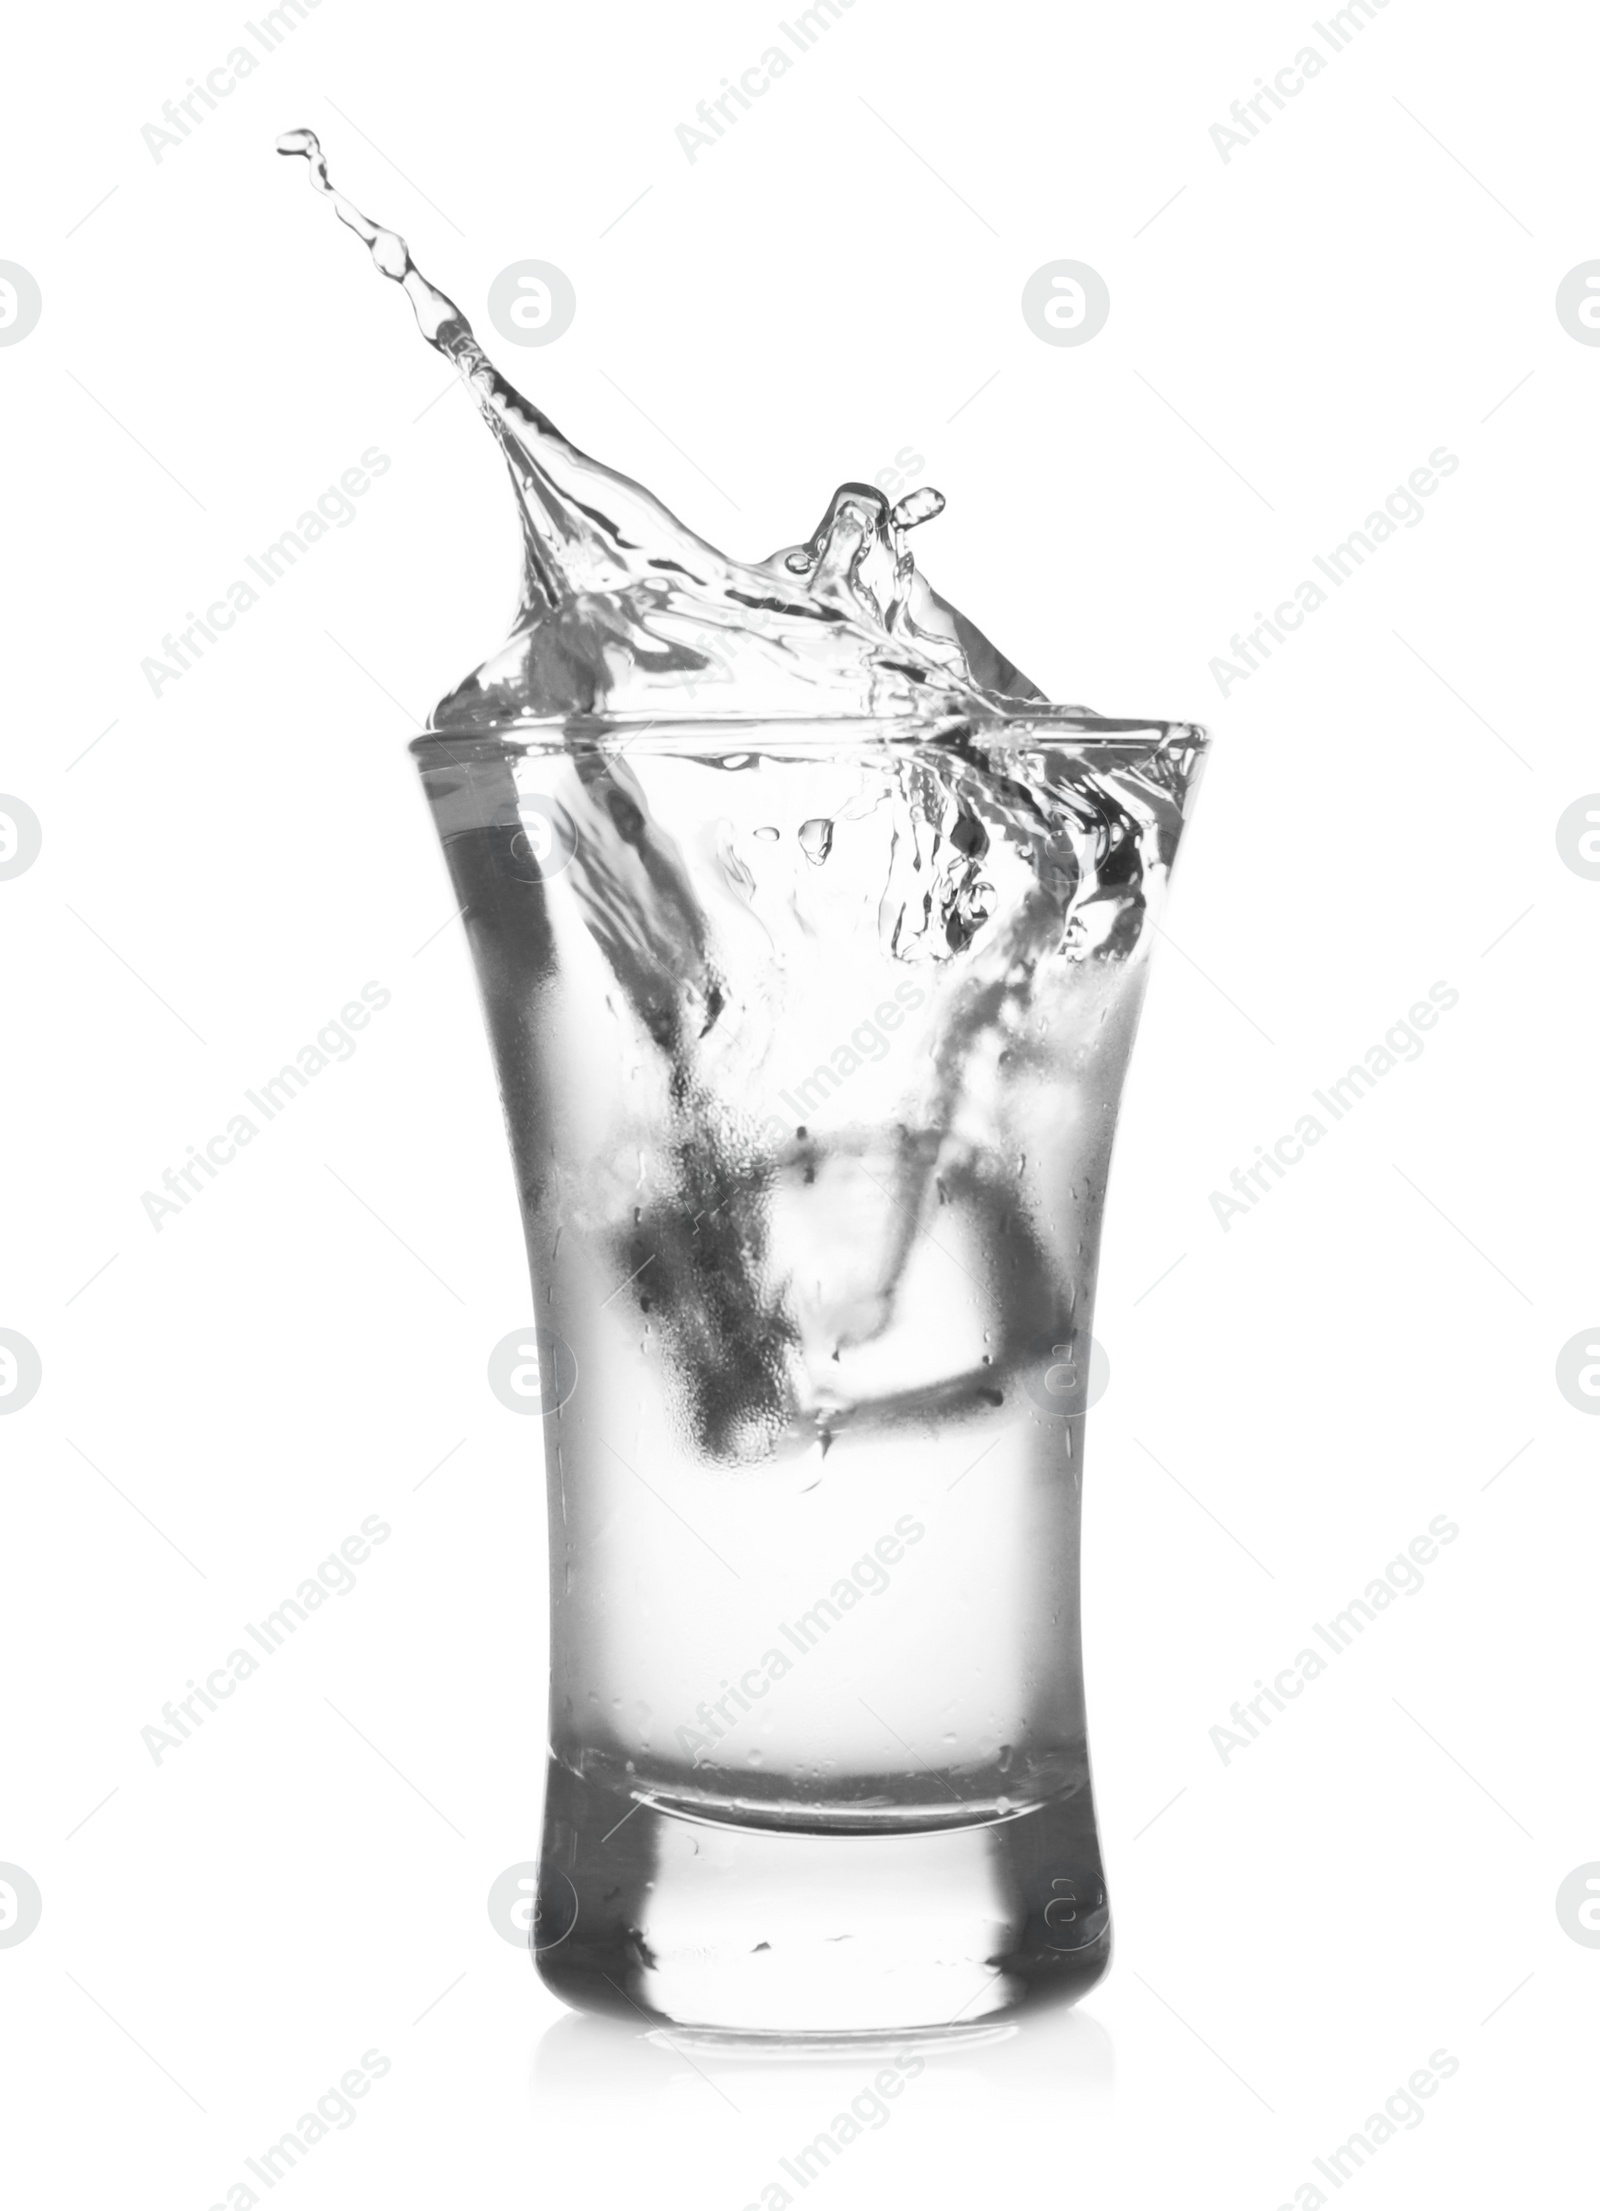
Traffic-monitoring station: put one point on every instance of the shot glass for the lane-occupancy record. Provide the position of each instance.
(810, 1038)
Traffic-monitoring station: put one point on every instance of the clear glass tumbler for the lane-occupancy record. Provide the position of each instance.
(810, 1038)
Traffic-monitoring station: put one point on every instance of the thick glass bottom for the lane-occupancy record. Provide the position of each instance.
(648, 1909)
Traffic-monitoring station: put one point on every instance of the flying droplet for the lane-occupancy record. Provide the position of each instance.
(918, 506)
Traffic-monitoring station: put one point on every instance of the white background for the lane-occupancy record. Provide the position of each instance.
(1375, 1344)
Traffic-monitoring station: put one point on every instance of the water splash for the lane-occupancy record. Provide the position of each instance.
(625, 611)
(774, 1243)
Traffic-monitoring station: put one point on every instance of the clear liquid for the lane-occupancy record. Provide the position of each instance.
(811, 942)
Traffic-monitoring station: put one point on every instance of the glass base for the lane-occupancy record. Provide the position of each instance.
(645, 1909)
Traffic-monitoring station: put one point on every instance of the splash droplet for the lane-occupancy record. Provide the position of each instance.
(919, 506)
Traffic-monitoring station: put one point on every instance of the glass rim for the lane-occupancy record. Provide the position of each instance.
(1071, 728)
